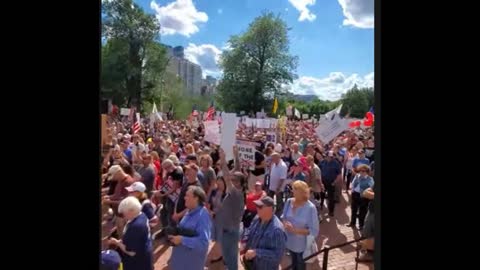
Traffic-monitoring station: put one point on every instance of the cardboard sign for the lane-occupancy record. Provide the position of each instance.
(125, 111)
(212, 132)
(246, 153)
(328, 130)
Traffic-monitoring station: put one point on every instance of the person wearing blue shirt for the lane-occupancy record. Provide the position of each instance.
(361, 159)
(331, 169)
(266, 240)
(300, 219)
(136, 244)
(190, 253)
(360, 183)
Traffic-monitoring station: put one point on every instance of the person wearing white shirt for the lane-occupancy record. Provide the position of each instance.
(278, 176)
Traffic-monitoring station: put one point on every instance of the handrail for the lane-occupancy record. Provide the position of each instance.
(327, 249)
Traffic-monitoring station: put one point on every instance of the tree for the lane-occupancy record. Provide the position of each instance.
(257, 65)
(131, 60)
(357, 101)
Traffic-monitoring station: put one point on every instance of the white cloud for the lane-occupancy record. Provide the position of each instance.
(219, 11)
(331, 87)
(301, 6)
(358, 13)
(179, 17)
(205, 55)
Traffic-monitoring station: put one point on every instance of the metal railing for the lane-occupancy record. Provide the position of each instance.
(326, 251)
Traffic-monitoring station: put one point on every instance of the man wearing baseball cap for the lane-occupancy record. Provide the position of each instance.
(267, 238)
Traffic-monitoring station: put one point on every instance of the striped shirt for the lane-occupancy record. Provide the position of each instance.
(268, 240)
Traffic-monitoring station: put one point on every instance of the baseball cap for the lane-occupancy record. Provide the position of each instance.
(265, 201)
(110, 260)
(136, 186)
(113, 170)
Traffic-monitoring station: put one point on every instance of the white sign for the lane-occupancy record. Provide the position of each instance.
(212, 132)
(229, 126)
(263, 123)
(328, 130)
(249, 122)
(305, 116)
(271, 137)
(246, 154)
(124, 111)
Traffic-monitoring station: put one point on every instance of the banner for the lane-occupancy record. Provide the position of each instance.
(227, 137)
(329, 129)
(212, 132)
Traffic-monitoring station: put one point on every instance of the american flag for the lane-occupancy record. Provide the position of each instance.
(210, 112)
(136, 123)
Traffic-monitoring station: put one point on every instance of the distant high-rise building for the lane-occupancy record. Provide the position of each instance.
(179, 52)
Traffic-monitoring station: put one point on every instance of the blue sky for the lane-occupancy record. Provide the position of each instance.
(334, 39)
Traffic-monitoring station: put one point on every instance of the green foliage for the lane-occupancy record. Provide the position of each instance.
(131, 60)
(172, 92)
(357, 101)
(256, 66)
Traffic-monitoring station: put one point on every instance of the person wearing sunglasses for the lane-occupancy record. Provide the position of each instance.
(360, 183)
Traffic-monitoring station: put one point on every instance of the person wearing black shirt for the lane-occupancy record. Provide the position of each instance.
(258, 174)
(168, 192)
(191, 172)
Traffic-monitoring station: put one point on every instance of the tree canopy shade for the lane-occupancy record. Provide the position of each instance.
(256, 66)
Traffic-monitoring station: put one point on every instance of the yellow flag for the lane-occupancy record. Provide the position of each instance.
(275, 105)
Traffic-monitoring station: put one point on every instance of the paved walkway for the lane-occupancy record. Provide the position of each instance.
(332, 232)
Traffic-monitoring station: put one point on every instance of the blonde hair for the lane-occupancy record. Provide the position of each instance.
(206, 157)
(189, 149)
(303, 187)
(155, 155)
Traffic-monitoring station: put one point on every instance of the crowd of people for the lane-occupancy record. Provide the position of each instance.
(166, 175)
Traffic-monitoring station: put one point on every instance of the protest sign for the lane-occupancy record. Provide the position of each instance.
(212, 132)
(125, 111)
(328, 130)
(305, 116)
(246, 153)
(271, 137)
(227, 141)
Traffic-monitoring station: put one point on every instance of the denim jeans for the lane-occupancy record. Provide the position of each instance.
(230, 240)
(297, 261)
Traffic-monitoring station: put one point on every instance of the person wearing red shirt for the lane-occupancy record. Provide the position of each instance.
(251, 210)
(157, 162)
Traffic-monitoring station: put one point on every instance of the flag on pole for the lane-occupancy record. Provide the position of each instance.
(154, 116)
(275, 105)
(331, 114)
(297, 113)
(136, 123)
(210, 112)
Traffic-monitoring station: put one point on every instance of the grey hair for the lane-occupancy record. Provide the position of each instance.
(199, 193)
(130, 204)
(167, 163)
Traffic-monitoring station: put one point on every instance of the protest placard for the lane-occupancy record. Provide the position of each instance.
(212, 132)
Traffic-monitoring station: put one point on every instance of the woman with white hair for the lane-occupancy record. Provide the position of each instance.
(136, 245)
